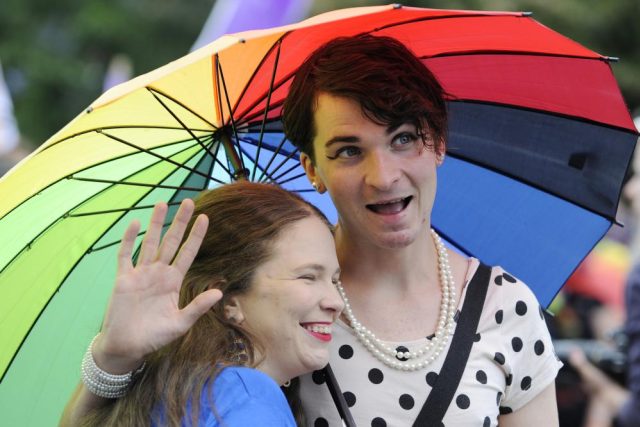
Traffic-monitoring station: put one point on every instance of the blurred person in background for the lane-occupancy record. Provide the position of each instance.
(610, 404)
(11, 152)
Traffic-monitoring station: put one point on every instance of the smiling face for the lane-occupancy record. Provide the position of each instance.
(293, 301)
(381, 179)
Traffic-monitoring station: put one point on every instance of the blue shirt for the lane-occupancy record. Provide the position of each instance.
(244, 397)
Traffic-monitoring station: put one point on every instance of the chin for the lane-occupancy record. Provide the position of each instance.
(316, 362)
(396, 240)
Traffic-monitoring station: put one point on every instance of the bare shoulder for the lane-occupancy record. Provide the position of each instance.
(460, 268)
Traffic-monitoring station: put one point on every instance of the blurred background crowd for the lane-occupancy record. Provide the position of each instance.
(57, 57)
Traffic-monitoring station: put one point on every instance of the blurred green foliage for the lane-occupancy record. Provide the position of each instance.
(55, 54)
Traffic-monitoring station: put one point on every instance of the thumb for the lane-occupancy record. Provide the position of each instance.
(199, 306)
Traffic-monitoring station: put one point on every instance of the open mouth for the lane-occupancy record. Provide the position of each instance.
(319, 331)
(390, 207)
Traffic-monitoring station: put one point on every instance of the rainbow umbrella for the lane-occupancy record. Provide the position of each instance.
(539, 142)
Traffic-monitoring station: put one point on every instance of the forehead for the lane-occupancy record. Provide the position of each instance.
(340, 116)
(306, 240)
(332, 110)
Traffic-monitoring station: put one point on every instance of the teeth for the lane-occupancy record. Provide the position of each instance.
(390, 202)
(321, 329)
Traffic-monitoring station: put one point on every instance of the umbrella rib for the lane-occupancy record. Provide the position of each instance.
(231, 119)
(286, 172)
(53, 293)
(83, 170)
(166, 159)
(273, 157)
(138, 184)
(159, 92)
(283, 162)
(53, 144)
(531, 184)
(255, 72)
(108, 245)
(266, 110)
(269, 175)
(170, 111)
(545, 112)
(213, 164)
(479, 15)
(509, 52)
(28, 245)
(215, 157)
(179, 188)
(107, 211)
(453, 16)
(291, 179)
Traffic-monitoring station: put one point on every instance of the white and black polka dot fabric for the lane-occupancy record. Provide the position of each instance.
(511, 361)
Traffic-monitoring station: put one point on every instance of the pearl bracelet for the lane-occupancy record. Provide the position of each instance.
(102, 383)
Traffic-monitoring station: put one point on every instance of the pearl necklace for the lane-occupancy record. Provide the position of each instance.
(432, 349)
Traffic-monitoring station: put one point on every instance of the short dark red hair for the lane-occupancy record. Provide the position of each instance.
(390, 83)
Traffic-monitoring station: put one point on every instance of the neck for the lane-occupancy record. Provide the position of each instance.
(366, 265)
(279, 377)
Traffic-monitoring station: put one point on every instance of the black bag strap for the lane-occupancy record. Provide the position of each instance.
(446, 385)
(338, 397)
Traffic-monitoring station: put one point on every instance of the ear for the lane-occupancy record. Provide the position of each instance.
(440, 154)
(233, 310)
(312, 173)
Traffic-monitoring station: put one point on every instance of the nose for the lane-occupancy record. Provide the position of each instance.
(381, 170)
(332, 301)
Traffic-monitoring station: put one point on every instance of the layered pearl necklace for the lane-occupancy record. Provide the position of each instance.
(421, 358)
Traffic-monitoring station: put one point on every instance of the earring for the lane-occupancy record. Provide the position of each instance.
(237, 352)
(314, 185)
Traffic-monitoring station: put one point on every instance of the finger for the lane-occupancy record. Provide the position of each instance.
(149, 247)
(189, 250)
(173, 237)
(126, 247)
(199, 306)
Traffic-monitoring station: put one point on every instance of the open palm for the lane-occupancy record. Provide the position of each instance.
(143, 314)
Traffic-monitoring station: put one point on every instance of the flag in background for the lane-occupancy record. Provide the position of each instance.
(232, 16)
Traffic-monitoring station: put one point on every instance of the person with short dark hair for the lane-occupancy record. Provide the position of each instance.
(370, 121)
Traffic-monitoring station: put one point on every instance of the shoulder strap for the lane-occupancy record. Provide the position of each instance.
(338, 397)
(446, 385)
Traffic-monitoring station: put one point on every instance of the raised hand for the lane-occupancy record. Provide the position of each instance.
(143, 313)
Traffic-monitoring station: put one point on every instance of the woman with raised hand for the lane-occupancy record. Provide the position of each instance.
(268, 257)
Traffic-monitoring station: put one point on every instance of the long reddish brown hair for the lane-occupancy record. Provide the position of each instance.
(245, 219)
(383, 76)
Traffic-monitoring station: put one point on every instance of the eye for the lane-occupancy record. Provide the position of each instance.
(308, 277)
(404, 139)
(346, 152)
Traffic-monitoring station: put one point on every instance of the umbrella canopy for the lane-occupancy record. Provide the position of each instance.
(539, 143)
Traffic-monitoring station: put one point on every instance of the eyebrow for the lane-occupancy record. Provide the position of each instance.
(354, 139)
(317, 267)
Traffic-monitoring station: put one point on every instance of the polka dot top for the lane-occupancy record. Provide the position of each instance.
(511, 361)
